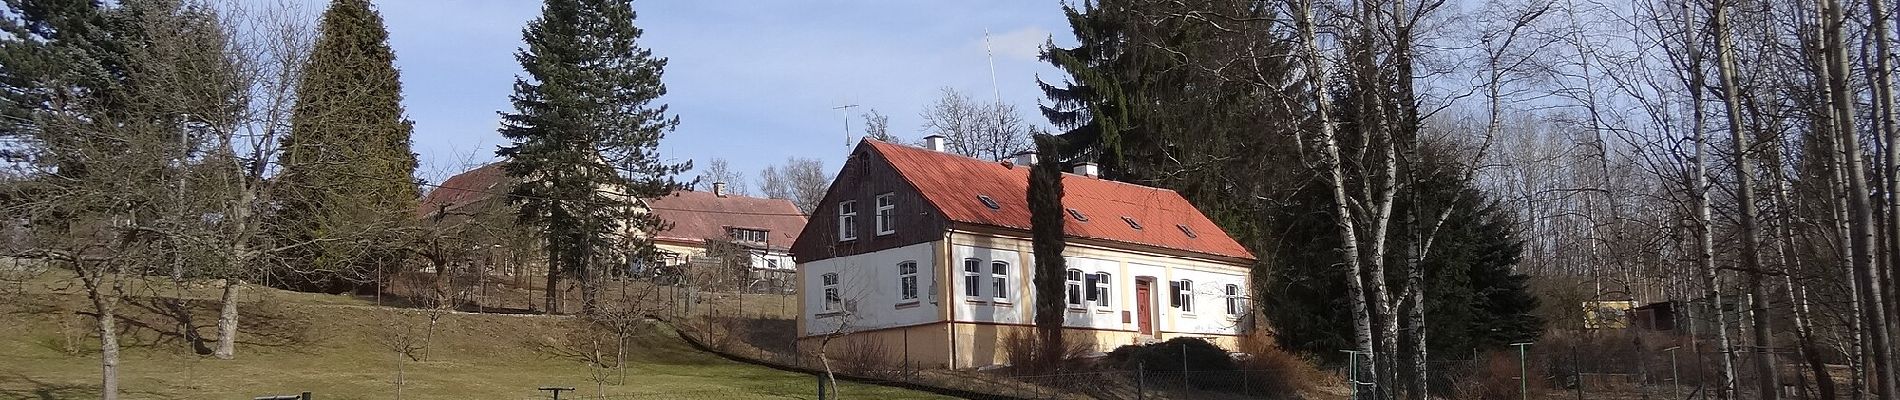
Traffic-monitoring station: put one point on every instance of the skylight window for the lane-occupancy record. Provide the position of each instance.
(1131, 222)
(1189, 232)
(1078, 215)
(988, 202)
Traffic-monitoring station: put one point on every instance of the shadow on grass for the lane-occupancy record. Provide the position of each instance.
(16, 386)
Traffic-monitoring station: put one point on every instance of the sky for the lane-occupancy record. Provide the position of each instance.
(752, 81)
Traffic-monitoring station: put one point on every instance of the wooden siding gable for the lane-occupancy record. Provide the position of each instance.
(864, 176)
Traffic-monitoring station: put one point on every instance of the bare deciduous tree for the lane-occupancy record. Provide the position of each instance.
(989, 131)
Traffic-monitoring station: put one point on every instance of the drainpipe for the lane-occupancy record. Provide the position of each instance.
(949, 292)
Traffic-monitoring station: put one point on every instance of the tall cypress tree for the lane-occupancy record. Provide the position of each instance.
(586, 138)
(1046, 223)
(348, 169)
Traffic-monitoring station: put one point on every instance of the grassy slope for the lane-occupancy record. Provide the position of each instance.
(334, 346)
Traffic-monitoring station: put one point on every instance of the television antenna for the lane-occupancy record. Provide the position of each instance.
(846, 110)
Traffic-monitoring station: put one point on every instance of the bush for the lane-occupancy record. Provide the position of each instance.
(1272, 369)
(1169, 356)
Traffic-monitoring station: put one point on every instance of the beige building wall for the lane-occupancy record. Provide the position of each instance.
(981, 330)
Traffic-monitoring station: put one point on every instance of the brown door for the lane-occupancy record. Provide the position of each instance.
(1143, 313)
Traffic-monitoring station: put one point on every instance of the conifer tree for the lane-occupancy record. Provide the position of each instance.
(586, 138)
(1046, 223)
(347, 164)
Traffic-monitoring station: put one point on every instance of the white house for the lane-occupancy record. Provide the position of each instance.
(928, 254)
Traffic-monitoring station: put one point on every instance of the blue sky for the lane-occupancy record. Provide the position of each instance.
(752, 81)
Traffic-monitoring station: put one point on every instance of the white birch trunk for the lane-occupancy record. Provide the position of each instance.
(1329, 163)
(1767, 381)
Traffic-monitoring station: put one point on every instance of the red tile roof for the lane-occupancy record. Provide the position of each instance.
(695, 216)
(476, 185)
(699, 215)
(953, 183)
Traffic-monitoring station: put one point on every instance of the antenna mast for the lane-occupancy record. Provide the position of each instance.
(846, 110)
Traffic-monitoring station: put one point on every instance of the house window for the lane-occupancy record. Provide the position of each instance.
(907, 280)
(999, 277)
(1183, 295)
(1236, 304)
(1073, 284)
(988, 202)
(746, 235)
(832, 300)
(847, 220)
(972, 277)
(1078, 215)
(1099, 284)
(1131, 222)
(886, 214)
(1189, 232)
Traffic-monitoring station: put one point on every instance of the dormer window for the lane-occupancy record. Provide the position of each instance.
(1078, 216)
(1131, 222)
(746, 235)
(847, 220)
(988, 202)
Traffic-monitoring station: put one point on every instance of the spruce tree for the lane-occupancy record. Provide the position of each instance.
(348, 170)
(586, 138)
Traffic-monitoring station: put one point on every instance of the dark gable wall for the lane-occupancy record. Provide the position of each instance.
(865, 175)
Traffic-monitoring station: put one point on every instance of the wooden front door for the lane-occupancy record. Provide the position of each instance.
(1144, 311)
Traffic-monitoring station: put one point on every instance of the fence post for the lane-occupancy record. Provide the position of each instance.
(821, 386)
(304, 396)
(1523, 373)
(1141, 380)
(1184, 368)
(1675, 381)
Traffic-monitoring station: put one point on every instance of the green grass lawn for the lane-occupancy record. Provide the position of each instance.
(340, 348)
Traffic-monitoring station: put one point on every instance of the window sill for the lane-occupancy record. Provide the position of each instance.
(1078, 310)
(842, 240)
(1002, 303)
(829, 314)
(1104, 311)
(886, 233)
(907, 304)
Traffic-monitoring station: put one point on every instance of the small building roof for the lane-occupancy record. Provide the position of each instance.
(694, 216)
(973, 191)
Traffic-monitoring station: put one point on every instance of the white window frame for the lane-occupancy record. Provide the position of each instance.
(833, 300)
(1184, 296)
(1104, 291)
(972, 278)
(907, 282)
(1236, 303)
(999, 281)
(886, 218)
(847, 220)
(1072, 288)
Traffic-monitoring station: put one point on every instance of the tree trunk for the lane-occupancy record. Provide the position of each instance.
(550, 293)
(105, 302)
(227, 321)
(1860, 211)
(1335, 180)
(1705, 234)
(1768, 382)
